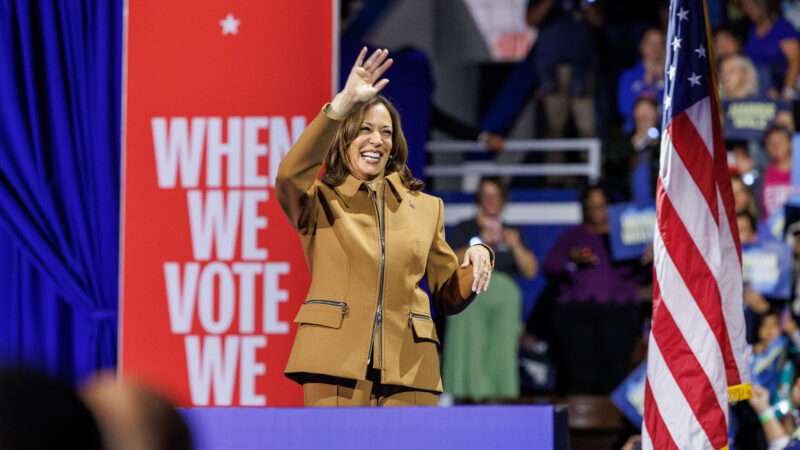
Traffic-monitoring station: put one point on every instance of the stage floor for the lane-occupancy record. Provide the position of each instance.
(463, 427)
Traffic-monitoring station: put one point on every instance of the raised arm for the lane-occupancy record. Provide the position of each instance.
(301, 165)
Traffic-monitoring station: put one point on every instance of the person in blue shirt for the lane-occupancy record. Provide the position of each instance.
(773, 46)
(645, 79)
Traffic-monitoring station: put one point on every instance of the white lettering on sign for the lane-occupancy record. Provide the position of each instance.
(637, 226)
(207, 294)
(229, 290)
(231, 146)
(760, 268)
(178, 148)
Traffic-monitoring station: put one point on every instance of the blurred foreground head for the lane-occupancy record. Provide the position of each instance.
(37, 413)
(132, 417)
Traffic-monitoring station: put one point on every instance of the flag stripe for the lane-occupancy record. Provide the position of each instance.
(688, 373)
(647, 443)
(654, 421)
(699, 115)
(693, 211)
(670, 290)
(697, 160)
(729, 279)
(678, 417)
(695, 274)
(711, 240)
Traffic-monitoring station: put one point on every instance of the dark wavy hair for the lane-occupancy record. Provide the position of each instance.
(337, 166)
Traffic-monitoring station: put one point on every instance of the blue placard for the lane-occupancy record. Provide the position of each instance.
(631, 229)
(794, 198)
(629, 396)
(747, 119)
(767, 267)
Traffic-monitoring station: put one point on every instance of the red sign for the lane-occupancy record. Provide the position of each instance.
(212, 272)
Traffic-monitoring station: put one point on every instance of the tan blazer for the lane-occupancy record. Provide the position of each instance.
(340, 332)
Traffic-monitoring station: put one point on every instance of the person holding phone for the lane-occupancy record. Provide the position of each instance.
(365, 334)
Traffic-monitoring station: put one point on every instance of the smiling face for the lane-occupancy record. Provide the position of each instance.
(369, 151)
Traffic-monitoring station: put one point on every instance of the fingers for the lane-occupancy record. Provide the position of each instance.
(488, 279)
(370, 60)
(482, 281)
(381, 84)
(373, 67)
(481, 273)
(360, 58)
(377, 57)
(465, 262)
(381, 69)
(476, 271)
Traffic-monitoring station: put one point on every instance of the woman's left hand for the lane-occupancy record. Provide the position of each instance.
(478, 256)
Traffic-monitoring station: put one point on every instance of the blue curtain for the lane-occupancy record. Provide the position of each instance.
(60, 68)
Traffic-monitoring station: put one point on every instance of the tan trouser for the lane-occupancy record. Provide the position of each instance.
(325, 394)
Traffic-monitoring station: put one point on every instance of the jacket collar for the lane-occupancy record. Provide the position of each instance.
(352, 185)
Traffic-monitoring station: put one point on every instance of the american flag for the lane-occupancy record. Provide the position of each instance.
(697, 360)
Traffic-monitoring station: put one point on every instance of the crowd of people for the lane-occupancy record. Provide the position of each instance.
(591, 322)
(594, 315)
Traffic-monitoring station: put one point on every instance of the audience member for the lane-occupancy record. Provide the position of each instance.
(777, 435)
(566, 61)
(740, 161)
(636, 154)
(743, 199)
(770, 353)
(135, 418)
(645, 78)
(37, 413)
(726, 43)
(777, 184)
(738, 78)
(773, 46)
(512, 255)
(597, 318)
(480, 349)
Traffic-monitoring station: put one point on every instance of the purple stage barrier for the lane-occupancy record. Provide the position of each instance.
(541, 427)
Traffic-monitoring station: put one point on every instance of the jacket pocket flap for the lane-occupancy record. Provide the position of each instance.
(320, 314)
(424, 328)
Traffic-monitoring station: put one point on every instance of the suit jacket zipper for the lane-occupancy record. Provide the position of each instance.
(377, 324)
(342, 305)
(412, 316)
